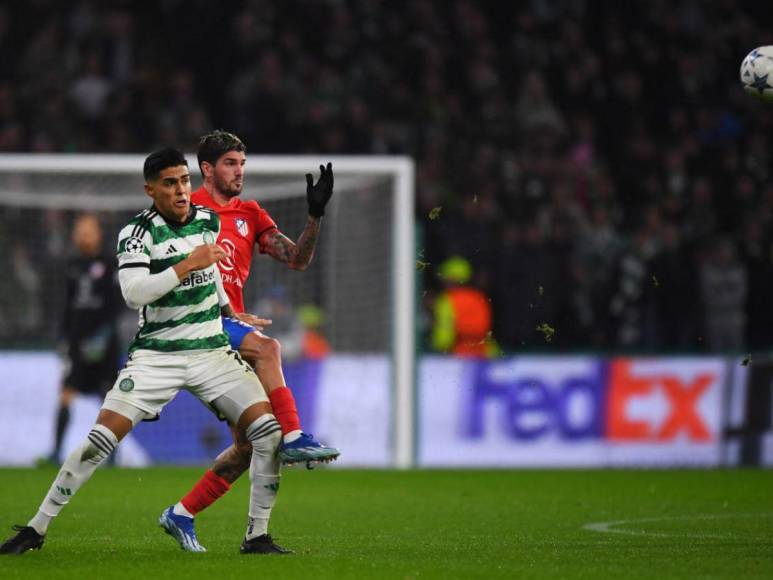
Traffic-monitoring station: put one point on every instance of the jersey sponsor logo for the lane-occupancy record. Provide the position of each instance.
(126, 385)
(198, 278)
(134, 246)
(229, 279)
(227, 263)
(242, 227)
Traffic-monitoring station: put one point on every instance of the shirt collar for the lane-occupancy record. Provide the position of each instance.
(174, 224)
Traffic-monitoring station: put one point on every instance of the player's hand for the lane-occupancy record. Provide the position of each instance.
(252, 320)
(204, 256)
(318, 195)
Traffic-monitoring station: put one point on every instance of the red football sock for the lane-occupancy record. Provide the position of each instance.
(285, 411)
(208, 489)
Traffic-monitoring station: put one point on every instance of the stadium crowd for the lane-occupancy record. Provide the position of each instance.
(597, 162)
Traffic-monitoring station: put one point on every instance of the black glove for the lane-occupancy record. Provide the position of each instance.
(318, 195)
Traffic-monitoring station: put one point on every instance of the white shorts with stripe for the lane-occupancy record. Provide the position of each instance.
(152, 379)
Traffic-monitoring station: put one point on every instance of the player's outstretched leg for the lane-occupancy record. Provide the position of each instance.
(76, 470)
(264, 354)
(181, 528)
(226, 469)
(264, 435)
(178, 520)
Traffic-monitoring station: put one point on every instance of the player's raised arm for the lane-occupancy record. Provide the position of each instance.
(298, 254)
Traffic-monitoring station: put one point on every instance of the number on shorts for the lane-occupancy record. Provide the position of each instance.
(237, 358)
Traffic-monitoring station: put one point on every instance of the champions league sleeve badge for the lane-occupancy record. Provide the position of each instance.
(134, 246)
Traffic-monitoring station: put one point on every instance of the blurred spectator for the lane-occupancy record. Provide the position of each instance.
(90, 90)
(724, 286)
(315, 345)
(522, 271)
(462, 322)
(676, 293)
(633, 302)
(757, 251)
(28, 305)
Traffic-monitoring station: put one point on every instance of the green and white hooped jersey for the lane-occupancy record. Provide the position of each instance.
(188, 317)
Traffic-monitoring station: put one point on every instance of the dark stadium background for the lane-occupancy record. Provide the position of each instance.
(604, 143)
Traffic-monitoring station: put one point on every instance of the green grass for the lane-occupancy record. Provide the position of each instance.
(416, 524)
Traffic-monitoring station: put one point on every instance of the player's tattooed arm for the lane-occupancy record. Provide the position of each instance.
(298, 254)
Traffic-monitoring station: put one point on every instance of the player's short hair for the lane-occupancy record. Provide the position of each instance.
(159, 160)
(217, 143)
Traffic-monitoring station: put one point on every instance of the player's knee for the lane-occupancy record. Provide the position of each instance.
(244, 449)
(271, 351)
(99, 444)
(103, 442)
(264, 434)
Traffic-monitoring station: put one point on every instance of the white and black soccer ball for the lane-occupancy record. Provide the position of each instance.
(757, 73)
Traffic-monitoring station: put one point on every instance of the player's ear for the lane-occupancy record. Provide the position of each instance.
(149, 189)
(206, 169)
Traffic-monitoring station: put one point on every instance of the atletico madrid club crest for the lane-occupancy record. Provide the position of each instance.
(242, 226)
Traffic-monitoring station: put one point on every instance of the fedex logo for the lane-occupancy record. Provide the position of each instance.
(622, 400)
(529, 406)
(675, 413)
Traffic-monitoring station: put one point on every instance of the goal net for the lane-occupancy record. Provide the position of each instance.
(360, 286)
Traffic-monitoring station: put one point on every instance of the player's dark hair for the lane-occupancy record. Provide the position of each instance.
(214, 145)
(159, 160)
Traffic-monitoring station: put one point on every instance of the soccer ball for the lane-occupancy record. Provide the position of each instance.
(757, 73)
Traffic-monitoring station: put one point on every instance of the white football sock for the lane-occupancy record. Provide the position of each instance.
(265, 434)
(76, 470)
(179, 509)
(292, 436)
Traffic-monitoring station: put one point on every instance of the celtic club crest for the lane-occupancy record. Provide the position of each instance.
(126, 385)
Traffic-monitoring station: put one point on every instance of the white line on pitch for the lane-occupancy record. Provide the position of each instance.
(611, 526)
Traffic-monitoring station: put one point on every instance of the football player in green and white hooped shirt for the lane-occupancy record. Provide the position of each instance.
(167, 270)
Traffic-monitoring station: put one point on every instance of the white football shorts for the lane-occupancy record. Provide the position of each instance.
(151, 379)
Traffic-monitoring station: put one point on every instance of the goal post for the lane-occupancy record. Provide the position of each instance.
(364, 281)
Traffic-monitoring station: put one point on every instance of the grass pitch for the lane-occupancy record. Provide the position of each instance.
(416, 524)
